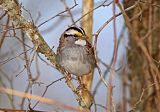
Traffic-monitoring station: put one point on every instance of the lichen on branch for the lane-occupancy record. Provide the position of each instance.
(13, 10)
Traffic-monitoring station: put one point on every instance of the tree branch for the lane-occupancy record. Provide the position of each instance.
(14, 12)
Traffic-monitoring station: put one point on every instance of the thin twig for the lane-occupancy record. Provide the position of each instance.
(108, 21)
(47, 89)
(151, 4)
(68, 9)
(4, 33)
(56, 15)
(13, 10)
(38, 98)
(108, 67)
(27, 66)
(7, 60)
(139, 42)
(92, 11)
(10, 80)
(110, 103)
(96, 57)
(141, 96)
(3, 15)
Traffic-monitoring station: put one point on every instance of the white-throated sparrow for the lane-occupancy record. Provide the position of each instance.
(75, 54)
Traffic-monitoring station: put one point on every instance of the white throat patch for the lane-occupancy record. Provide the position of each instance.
(80, 42)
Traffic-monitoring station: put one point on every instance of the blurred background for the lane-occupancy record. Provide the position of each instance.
(13, 73)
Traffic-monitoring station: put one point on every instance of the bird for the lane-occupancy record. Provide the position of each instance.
(75, 53)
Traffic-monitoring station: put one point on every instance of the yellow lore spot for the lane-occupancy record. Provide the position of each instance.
(78, 34)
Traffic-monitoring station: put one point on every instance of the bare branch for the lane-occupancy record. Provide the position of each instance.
(57, 15)
(38, 98)
(13, 10)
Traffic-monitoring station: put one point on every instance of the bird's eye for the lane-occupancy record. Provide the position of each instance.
(65, 35)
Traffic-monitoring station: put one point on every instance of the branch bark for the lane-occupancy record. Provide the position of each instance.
(13, 10)
(87, 23)
(143, 50)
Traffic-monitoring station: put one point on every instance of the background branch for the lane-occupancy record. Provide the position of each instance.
(14, 12)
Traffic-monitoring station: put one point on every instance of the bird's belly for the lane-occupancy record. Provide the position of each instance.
(75, 61)
(76, 67)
